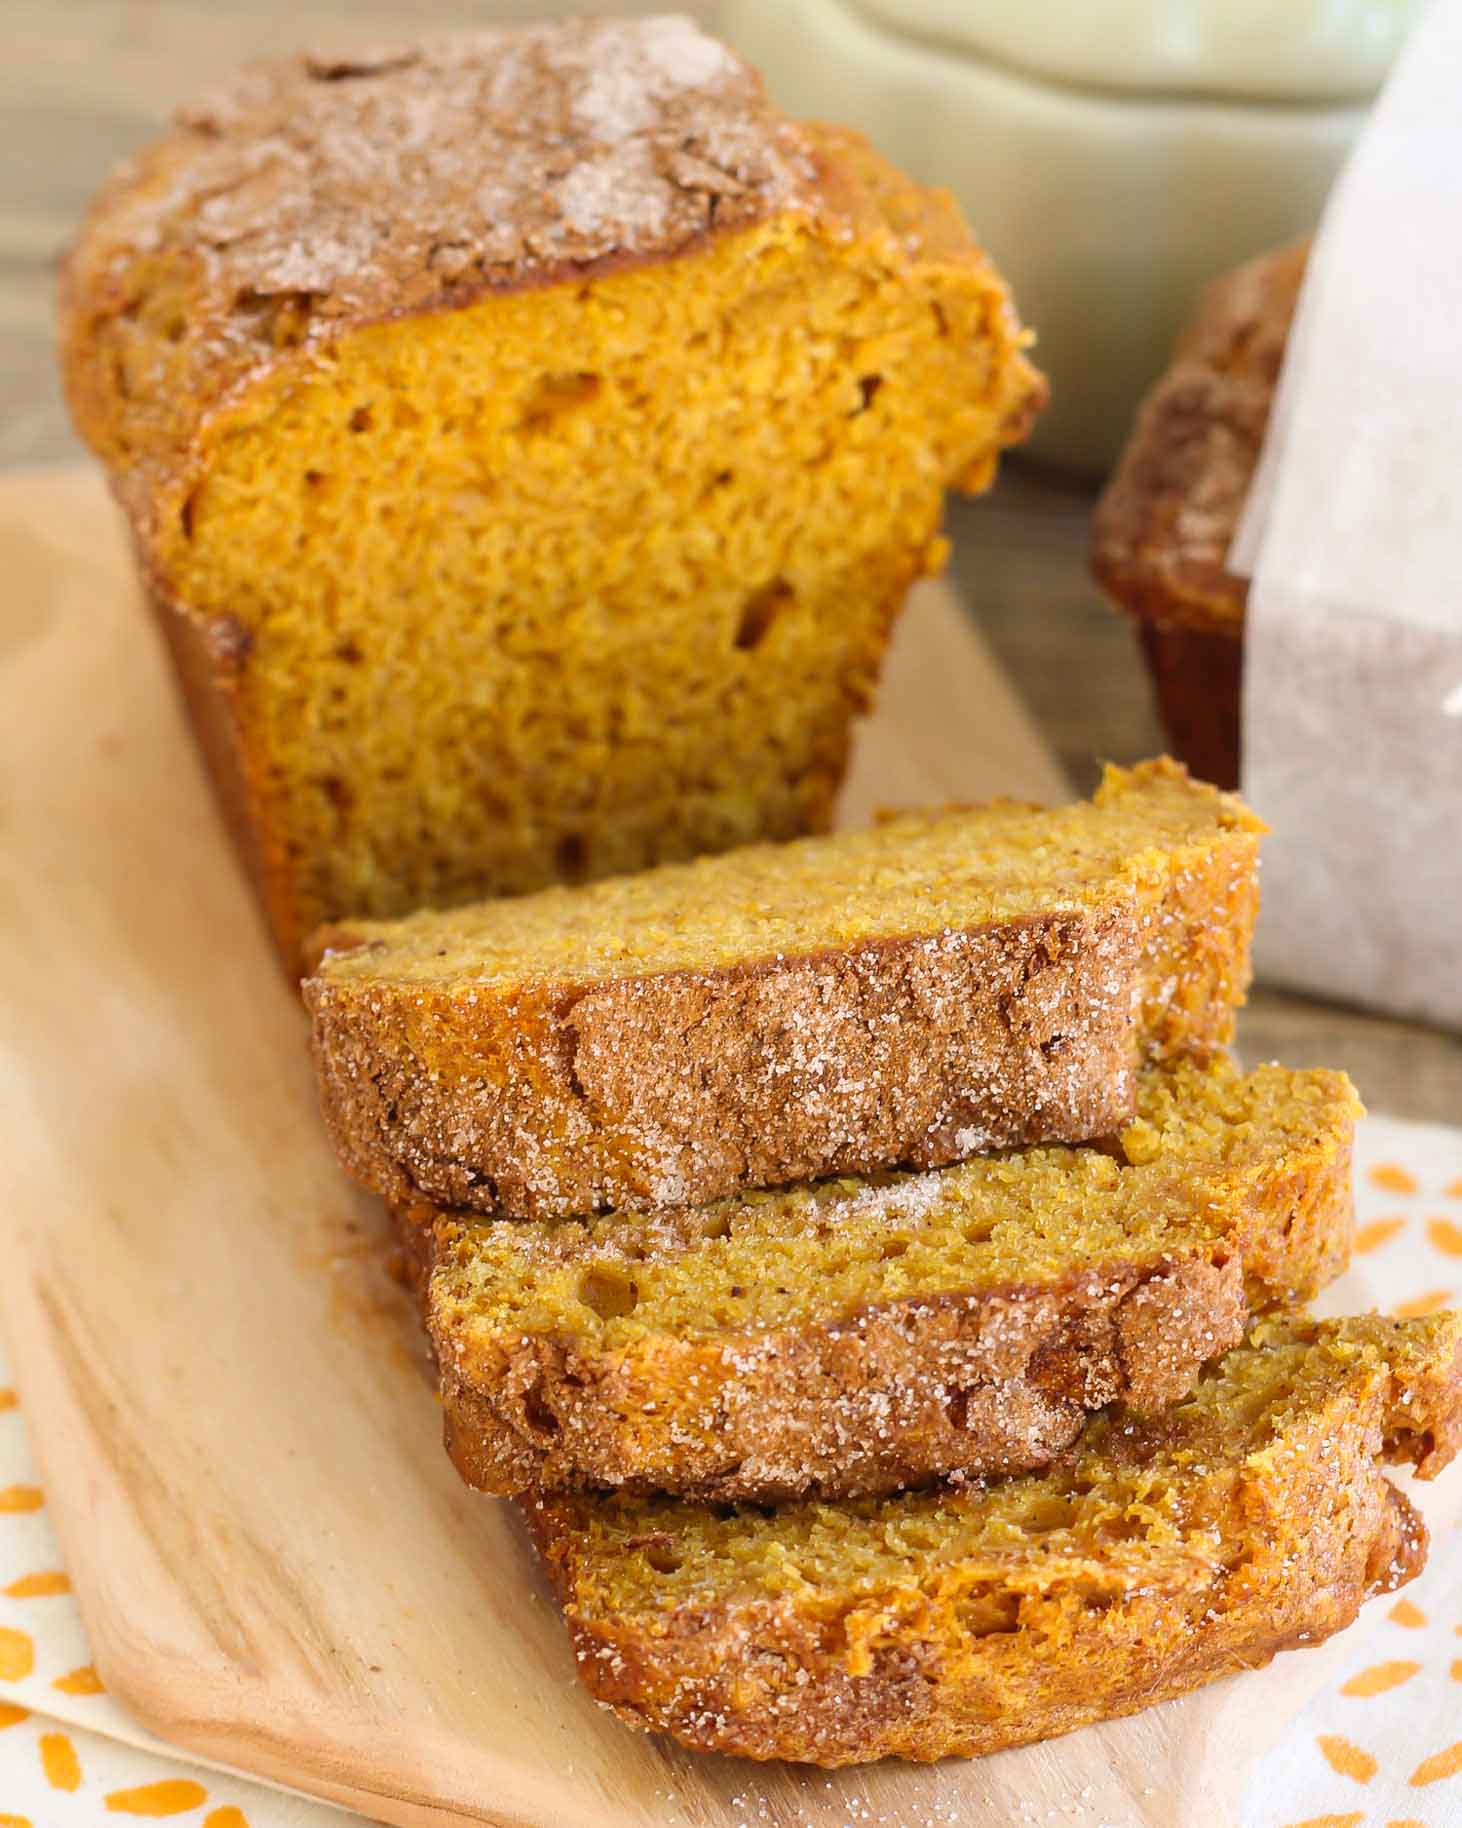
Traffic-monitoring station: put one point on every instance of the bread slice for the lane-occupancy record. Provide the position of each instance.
(945, 983)
(1153, 1556)
(529, 438)
(852, 1337)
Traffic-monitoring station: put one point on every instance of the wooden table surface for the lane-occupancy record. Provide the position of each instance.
(84, 81)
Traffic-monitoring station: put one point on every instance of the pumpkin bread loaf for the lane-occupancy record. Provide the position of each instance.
(1163, 527)
(942, 984)
(854, 1336)
(529, 438)
(1156, 1554)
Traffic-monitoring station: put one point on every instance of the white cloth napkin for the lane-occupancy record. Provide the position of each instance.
(1353, 533)
(1382, 1744)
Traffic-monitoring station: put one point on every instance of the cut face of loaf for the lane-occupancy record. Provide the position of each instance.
(529, 439)
(855, 1336)
(943, 984)
(1155, 1555)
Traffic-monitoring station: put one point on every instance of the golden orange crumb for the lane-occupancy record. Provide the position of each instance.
(794, 392)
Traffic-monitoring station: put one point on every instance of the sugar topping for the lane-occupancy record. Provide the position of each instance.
(371, 179)
(936, 1622)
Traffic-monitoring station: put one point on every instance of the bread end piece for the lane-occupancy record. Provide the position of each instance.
(1159, 1554)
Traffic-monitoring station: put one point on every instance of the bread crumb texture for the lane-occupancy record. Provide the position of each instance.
(942, 984)
(1156, 1554)
(853, 1336)
(532, 436)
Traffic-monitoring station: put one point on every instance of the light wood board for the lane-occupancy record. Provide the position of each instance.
(275, 1562)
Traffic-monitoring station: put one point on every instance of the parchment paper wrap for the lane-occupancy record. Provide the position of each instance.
(1353, 534)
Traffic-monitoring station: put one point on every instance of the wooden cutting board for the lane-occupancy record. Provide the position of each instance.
(275, 1562)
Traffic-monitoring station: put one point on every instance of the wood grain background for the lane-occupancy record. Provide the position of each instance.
(84, 81)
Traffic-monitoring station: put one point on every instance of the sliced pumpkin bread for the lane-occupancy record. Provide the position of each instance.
(1156, 1554)
(855, 1336)
(943, 984)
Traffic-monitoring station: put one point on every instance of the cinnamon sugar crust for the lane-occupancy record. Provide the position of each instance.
(1162, 529)
(677, 1089)
(1156, 1554)
(313, 194)
(857, 1336)
(944, 985)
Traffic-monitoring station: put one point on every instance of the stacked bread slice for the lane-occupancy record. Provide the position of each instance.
(863, 1264)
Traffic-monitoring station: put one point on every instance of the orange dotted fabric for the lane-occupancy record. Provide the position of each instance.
(1380, 1744)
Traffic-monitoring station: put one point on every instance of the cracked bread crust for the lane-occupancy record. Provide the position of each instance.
(898, 1392)
(1223, 1545)
(311, 195)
